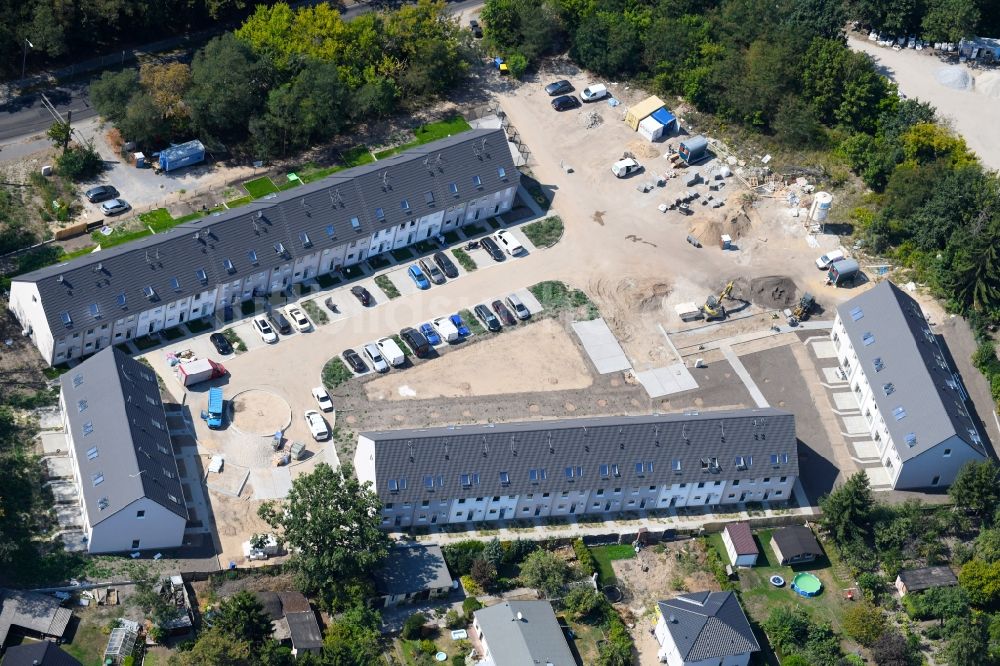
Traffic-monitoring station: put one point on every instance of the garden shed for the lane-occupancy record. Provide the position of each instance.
(645, 108)
(657, 124)
(185, 154)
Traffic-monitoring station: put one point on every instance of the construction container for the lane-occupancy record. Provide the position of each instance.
(643, 109)
(185, 154)
(843, 271)
(726, 242)
(693, 150)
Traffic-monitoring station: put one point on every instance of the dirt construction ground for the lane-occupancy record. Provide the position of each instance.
(540, 357)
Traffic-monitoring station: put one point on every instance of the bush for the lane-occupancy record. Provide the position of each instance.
(484, 573)
(427, 646)
(517, 65)
(582, 601)
(80, 163)
(458, 660)
(518, 549)
(335, 373)
(470, 585)
(470, 605)
(413, 626)
(453, 620)
(459, 556)
(864, 623)
(584, 558)
(464, 260)
(544, 232)
(386, 285)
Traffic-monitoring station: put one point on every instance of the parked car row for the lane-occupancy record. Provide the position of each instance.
(275, 321)
(564, 101)
(385, 353)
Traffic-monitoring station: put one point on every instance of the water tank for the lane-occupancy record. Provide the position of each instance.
(821, 206)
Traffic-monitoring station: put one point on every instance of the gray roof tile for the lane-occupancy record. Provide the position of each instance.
(535, 638)
(708, 625)
(120, 435)
(412, 568)
(314, 209)
(515, 449)
(888, 330)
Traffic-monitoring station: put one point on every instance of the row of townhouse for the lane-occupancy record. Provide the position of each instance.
(79, 307)
(913, 402)
(492, 472)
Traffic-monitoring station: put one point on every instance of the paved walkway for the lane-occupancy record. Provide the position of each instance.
(741, 371)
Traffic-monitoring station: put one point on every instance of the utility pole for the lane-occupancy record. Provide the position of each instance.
(24, 57)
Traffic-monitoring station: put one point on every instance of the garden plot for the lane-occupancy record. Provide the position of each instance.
(539, 356)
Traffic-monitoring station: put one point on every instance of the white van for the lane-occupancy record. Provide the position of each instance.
(622, 168)
(445, 329)
(391, 352)
(827, 259)
(594, 92)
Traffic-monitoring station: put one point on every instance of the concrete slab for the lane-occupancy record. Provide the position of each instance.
(49, 419)
(824, 349)
(832, 376)
(744, 376)
(529, 300)
(54, 443)
(59, 467)
(865, 450)
(665, 381)
(68, 515)
(855, 425)
(270, 483)
(878, 478)
(74, 542)
(401, 278)
(63, 492)
(845, 401)
(229, 481)
(601, 346)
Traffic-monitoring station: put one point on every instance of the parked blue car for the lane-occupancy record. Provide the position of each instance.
(419, 277)
(463, 330)
(431, 335)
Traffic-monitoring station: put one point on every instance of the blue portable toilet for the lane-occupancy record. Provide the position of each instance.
(185, 154)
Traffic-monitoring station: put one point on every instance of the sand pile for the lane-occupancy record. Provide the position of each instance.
(710, 231)
(625, 299)
(591, 119)
(956, 77)
(989, 84)
(643, 150)
(773, 291)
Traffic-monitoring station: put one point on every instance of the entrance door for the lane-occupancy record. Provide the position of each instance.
(538, 510)
(572, 508)
(642, 504)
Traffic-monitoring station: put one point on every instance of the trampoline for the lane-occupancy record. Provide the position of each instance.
(806, 584)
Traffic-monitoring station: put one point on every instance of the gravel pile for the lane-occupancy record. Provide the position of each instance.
(955, 77)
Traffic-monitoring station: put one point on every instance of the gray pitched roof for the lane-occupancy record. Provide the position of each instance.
(444, 455)
(708, 625)
(35, 612)
(888, 330)
(928, 577)
(796, 540)
(322, 210)
(304, 630)
(412, 568)
(113, 404)
(535, 638)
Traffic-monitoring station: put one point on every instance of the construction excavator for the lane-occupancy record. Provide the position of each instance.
(713, 307)
(804, 307)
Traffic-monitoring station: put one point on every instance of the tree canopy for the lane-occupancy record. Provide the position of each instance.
(545, 571)
(331, 521)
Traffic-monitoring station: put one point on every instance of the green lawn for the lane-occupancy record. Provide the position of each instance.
(118, 236)
(158, 219)
(260, 187)
(555, 295)
(427, 133)
(604, 555)
(588, 635)
(464, 260)
(335, 373)
(386, 285)
(315, 312)
(760, 596)
(472, 321)
(89, 643)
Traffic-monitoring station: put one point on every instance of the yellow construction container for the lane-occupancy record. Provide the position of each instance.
(641, 110)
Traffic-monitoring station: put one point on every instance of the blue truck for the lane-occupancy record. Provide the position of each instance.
(215, 407)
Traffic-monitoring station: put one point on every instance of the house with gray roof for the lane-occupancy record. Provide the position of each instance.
(40, 653)
(31, 614)
(123, 462)
(212, 264)
(702, 628)
(521, 632)
(913, 401)
(926, 578)
(412, 572)
(475, 473)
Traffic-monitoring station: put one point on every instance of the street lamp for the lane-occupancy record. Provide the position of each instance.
(24, 57)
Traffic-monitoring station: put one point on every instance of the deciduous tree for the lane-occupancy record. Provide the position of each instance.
(242, 617)
(545, 571)
(332, 522)
(976, 488)
(111, 93)
(864, 622)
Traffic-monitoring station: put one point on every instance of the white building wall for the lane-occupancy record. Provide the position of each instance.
(26, 304)
(937, 466)
(119, 532)
(669, 654)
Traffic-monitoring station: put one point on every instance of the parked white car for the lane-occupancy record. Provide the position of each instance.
(317, 425)
(508, 242)
(375, 356)
(323, 399)
(264, 330)
(624, 167)
(824, 262)
(594, 92)
(299, 319)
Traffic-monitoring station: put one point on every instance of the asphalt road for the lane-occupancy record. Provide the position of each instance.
(26, 116)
